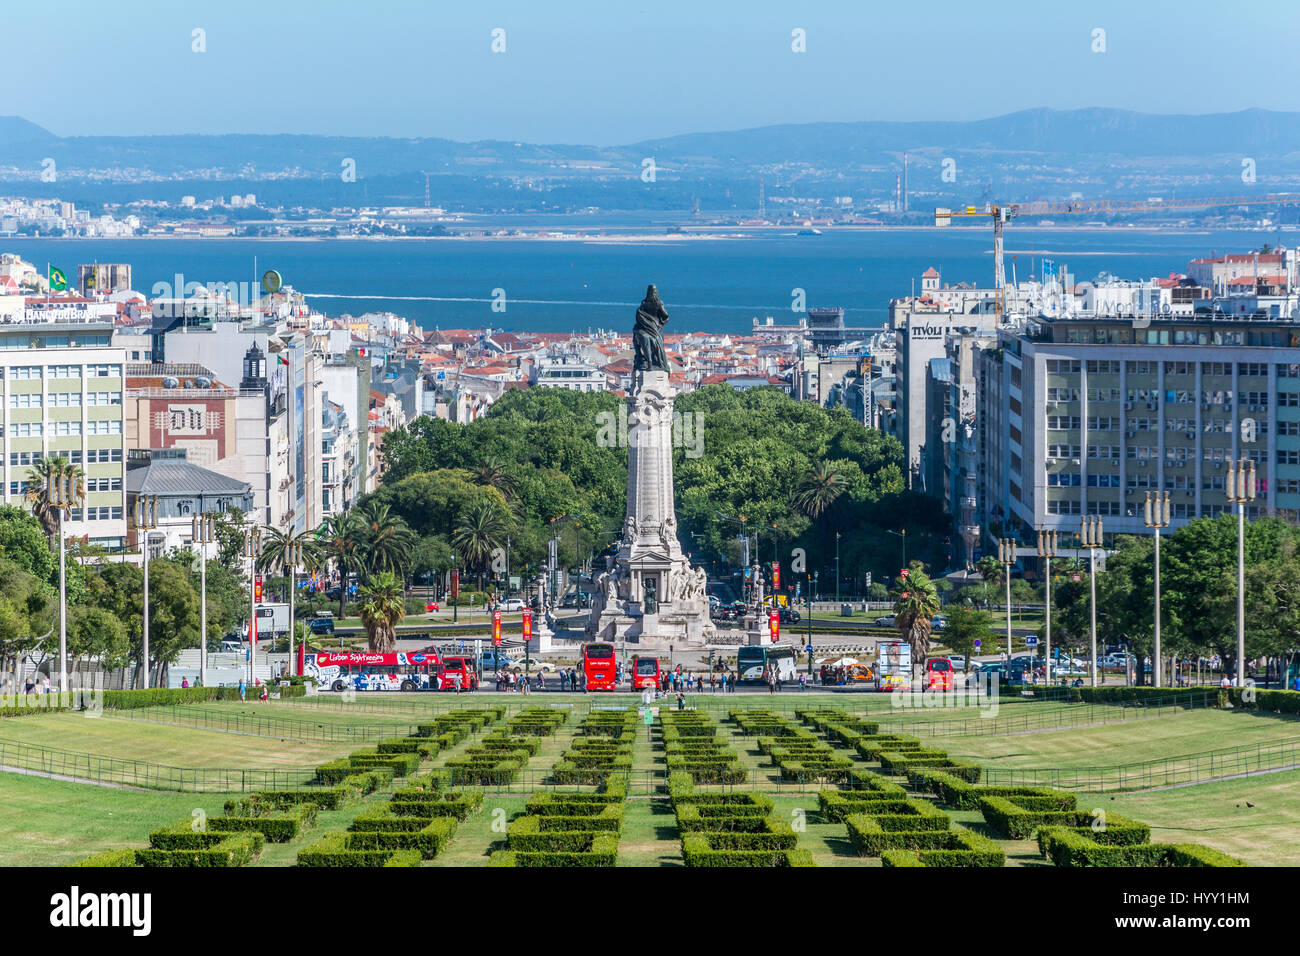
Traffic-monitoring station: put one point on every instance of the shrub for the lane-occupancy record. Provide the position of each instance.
(276, 827)
(237, 849)
(375, 833)
(1066, 847)
(599, 849)
(109, 858)
(698, 851)
(1007, 817)
(332, 850)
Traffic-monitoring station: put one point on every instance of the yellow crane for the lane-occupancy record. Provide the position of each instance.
(1001, 214)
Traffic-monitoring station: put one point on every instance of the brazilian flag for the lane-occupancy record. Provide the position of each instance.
(58, 281)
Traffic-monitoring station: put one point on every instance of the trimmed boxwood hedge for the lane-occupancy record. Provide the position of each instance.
(965, 849)
(1274, 701)
(1067, 848)
(1010, 818)
(109, 858)
(332, 850)
(902, 763)
(231, 849)
(429, 837)
(835, 805)
(698, 851)
(277, 826)
(957, 793)
(600, 849)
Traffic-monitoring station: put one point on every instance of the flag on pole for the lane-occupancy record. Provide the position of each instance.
(281, 360)
(58, 281)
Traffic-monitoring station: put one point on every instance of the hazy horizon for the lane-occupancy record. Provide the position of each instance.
(590, 75)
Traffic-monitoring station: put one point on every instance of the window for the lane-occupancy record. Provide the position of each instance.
(103, 371)
(1142, 368)
(104, 428)
(103, 455)
(65, 428)
(1216, 368)
(25, 430)
(103, 484)
(1062, 394)
(1063, 366)
(1103, 394)
(103, 398)
(1288, 371)
(25, 400)
(1062, 507)
(1103, 367)
(1062, 422)
(1180, 368)
(1288, 486)
(1288, 456)
(1063, 479)
(25, 371)
(65, 371)
(1252, 368)
(19, 487)
(1101, 423)
(65, 399)
(1288, 399)
(1103, 507)
(22, 459)
(1103, 481)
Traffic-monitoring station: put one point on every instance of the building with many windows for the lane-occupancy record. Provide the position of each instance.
(62, 385)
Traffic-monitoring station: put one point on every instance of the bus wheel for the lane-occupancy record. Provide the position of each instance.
(338, 685)
(408, 685)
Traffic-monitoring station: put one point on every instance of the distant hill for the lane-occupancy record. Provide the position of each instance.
(1256, 133)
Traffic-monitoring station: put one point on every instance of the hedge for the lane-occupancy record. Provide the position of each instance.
(1067, 848)
(697, 851)
(601, 849)
(961, 795)
(1008, 817)
(332, 850)
(459, 804)
(836, 805)
(965, 849)
(276, 827)
(236, 849)
(1274, 701)
(109, 858)
(903, 763)
(374, 833)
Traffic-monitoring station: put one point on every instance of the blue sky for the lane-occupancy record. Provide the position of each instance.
(610, 72)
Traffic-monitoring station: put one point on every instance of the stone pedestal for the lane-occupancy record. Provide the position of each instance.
(650, 594)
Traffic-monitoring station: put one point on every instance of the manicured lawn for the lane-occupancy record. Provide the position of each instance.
(1218, 815)
(1128, 742)
(167, 745)
(55, 823)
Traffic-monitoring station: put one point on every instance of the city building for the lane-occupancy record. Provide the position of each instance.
(183, 490)
(62, 382)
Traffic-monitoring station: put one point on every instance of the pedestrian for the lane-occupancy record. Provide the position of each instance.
(713, 683)
(1226, 683)
(242, 688)
(803, 682)
(31, 685)
(45, 684)
(185, 683)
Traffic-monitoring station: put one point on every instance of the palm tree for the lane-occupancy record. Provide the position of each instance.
(383, 605)
(42, 479)
(817, 490)
(339, 539)
(277, 544)
(916, 603)
(490, 473)
(481, 532)
(387, 543)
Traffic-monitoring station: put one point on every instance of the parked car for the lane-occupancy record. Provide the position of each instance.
(233, 647)
(938, 624)
(321, 625)
(788, 615)
(534, 664)
(492, 659)
(506, 605)
(887, 621)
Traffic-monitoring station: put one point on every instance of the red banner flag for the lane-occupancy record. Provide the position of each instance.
(496, 627)
(774, 624)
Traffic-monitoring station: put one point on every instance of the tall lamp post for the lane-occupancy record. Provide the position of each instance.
(1090, 538)
(837, 568)
(1047, 551)
(1241, 489)
(253, 551)
(1156, 516)
(146, 519)
(292, 558)
(204, 528)
(1007, 555)
(63, 493)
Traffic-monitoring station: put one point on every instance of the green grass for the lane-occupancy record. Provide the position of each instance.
(167, 745)
(54, 823)
(1109, 745)
(1216, 814)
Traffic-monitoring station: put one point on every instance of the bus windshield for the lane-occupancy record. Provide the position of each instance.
(751, 655)
(599, 652)
(646, 665)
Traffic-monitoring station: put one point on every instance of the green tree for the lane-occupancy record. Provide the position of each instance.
(966, 625)
(482, 531)
(382, 607)
(916, 603)
(228, 528)
(23, 542)
(340, 540)
(386, 542)
(43, 478)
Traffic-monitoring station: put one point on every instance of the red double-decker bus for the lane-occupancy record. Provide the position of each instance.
(645, 672)
(598, 665)
(373, 670)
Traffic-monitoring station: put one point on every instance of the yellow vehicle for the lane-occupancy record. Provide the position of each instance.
(777, 600)
(860, 673)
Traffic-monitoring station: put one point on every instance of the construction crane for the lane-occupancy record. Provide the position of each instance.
(1004, 213)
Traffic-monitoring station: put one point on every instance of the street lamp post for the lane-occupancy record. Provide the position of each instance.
(1090, 538)
(1241, 489)
(63, 495)
(837, 568)
(204, 527)
(292, 558)
(1047, 551)
(1156, 517)
(253, 551)
(1007, 555)
(146, 519)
